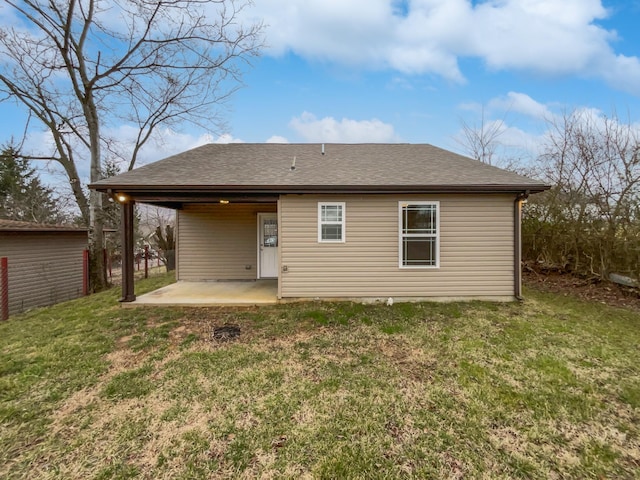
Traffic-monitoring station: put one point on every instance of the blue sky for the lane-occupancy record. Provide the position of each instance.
(528, 61)
(412, 71)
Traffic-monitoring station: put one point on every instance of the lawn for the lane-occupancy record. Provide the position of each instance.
(547, 388)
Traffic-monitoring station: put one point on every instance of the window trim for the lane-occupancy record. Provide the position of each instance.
(401, 236)
(343, 223)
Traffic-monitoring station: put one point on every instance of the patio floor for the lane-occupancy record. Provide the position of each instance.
(238, 293)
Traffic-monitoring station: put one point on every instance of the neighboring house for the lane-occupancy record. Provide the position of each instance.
(45, 263)
(363, 221)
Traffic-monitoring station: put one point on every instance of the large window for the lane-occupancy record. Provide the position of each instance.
(331, 222)
(419, 230)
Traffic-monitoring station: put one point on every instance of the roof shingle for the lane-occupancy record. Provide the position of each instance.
(246, 166)
(19, 226)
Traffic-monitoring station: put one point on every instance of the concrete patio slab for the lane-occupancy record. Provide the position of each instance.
(238, 293)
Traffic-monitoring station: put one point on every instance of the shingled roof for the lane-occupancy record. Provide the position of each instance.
(14, 226)
(300, 168)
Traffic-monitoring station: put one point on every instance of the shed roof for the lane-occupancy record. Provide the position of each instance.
(19, 226)
(284, 168)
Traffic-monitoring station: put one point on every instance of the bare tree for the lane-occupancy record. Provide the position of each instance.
(165, 242)
(82, 66)
(481, 141)
(152, 217)
(588, 222)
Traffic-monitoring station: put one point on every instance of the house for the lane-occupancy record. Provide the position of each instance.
(44, 264)
(338, 221)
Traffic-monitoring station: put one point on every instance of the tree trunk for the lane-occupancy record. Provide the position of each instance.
(96, 218)
(98, 271)
(170, 260)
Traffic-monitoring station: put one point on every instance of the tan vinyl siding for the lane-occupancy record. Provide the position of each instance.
(476, 249)
(219, 242)
(44, 268)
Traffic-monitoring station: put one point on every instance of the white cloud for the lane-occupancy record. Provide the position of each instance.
(523, 127)
(547, 37)
(520, 143)
(499, 118)
(224, 138)
(621, 72)
(277, 139)
(510, 143)
(163, 143)
(328, 129)
(521, 103)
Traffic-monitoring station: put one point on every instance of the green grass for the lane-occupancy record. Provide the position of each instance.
(541, 389)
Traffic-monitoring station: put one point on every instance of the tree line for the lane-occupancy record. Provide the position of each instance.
(588, 223)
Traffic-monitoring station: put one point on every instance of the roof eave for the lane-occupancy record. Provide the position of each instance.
(301, 189)
(75, 231)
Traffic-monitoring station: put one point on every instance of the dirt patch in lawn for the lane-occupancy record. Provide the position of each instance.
(213, 325)
(592, 289)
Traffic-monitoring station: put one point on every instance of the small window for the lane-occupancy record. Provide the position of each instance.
(331, 222)
(419, 234)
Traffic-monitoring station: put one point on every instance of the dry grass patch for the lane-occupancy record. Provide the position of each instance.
(544, 389)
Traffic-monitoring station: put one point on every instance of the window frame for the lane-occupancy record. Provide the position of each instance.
(401, 236)
(343, 223)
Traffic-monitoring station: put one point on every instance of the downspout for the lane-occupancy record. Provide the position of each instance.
(282, 269)
(517, 244)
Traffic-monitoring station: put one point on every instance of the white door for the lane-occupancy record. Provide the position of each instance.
(268, 245)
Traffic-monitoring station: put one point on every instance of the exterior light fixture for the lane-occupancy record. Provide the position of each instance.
(223, 201)
(121, 197)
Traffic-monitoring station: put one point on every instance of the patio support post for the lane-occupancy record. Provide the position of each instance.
(128, 294)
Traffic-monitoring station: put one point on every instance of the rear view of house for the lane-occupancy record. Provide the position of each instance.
(335, 221)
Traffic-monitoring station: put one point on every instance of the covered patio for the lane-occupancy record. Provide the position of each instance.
(201, 294)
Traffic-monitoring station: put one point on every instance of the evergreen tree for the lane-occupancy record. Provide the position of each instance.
(23, 196)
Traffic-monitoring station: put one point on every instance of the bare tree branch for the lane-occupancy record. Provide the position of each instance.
(81, 66)
(481, 142)
(589, 220)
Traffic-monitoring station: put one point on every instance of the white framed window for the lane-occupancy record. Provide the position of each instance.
(331, 222)
(419, 239)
